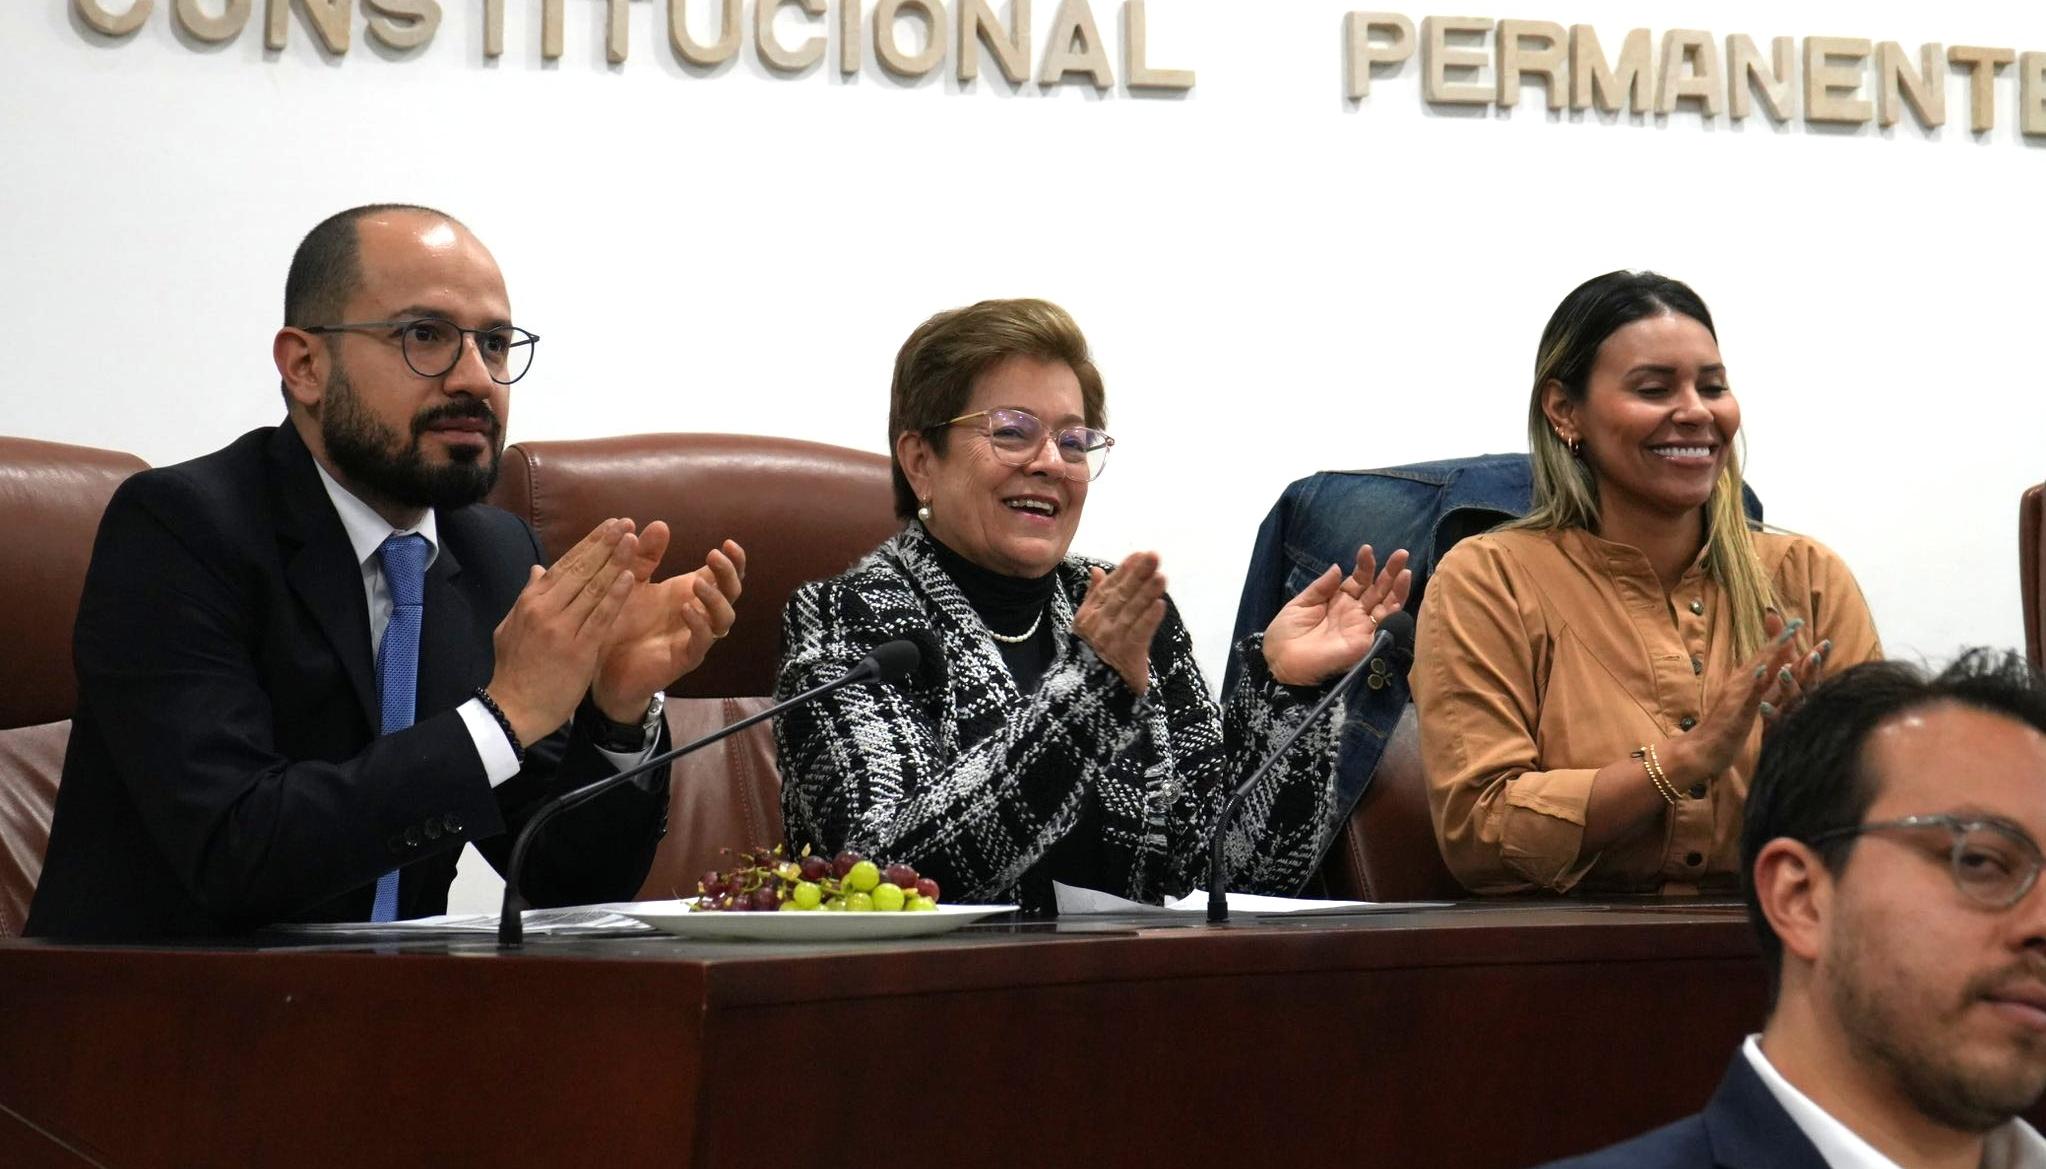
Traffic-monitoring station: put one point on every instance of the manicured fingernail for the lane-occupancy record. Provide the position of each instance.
(1759, 671)
(1784, 675)
(1817, 657)
(1825, 647)
(1768, 711)
(1790, 630)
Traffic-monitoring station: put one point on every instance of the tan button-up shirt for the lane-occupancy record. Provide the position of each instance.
(1544, 656)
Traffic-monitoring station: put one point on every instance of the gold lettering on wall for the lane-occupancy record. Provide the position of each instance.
(2032, 94)
(1776, 81)
(1982, 65)
(1363, 51)
(731, 27)
(1594, 83)
(1833, 71)
(1438, 57)
(1690, 72)
(936, 33)
(1076, 48)
(109, 24)
(773, 53)
(1535, 48)
(329, 19)
(978, 26)
(1137, 70)
(213, 28)
(1924, 87)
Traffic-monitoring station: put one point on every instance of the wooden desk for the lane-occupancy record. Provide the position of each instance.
(1475, 1036)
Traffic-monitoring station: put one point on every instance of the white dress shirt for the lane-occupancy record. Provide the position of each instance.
(367, 532)
(2015, 1145)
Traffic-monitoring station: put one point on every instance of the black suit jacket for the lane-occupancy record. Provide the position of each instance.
(1743, 1127)
(225, 769)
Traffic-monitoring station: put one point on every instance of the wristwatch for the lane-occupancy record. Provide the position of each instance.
(616, 737)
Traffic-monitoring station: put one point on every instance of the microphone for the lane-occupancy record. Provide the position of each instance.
(889, 662)
(1396, 630)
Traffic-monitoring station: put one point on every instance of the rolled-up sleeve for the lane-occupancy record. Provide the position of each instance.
(1503, 826)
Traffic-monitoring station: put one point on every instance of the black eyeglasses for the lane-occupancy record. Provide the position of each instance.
(1993, 863)
(433, 346)
(1017, 436)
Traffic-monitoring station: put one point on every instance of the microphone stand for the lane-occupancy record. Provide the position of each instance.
(1218, 896)
(510, 925)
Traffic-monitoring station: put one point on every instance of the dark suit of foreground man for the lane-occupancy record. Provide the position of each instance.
(1890, 845)
(235, 760)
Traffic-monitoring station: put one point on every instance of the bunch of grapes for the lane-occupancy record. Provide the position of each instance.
(767, 880)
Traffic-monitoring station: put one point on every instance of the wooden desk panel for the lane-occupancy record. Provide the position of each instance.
(1467, 1037)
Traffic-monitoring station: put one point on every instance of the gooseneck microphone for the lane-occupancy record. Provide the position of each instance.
(888, 662)
(1396, 630)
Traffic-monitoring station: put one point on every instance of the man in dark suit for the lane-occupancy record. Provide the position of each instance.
(1891, 849)
(311, 665)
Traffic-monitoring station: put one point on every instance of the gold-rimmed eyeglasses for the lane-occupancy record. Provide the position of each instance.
(1017, 435)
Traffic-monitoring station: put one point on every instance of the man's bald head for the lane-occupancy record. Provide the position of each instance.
(327, 268)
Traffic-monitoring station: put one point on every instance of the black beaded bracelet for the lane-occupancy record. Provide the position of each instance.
(504, 724)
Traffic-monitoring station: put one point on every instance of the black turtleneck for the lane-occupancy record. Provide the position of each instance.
(1007, 605)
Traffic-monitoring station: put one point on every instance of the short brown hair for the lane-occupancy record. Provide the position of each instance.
(936, 368)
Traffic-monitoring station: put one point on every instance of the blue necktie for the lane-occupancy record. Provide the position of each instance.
(403, 559)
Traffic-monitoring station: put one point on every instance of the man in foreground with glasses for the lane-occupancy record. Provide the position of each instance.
(311, 665)
(1891, 845)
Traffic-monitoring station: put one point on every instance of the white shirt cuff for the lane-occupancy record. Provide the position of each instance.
(499, 764)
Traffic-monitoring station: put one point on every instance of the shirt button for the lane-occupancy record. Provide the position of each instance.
(1686, 723)
(1697, 607)
(412, 837)
(1694, 859)
(1697, 665)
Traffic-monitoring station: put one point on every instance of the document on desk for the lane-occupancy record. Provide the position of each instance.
(1075, 901)
(576, 921)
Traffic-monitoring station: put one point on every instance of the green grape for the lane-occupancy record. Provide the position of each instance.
(859, 903)
(788, 907)
(921, 904)
(836, 904)
(807, 895)
(887, 898)
(863, 877)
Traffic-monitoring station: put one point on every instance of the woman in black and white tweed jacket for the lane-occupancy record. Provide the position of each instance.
(1084, 748)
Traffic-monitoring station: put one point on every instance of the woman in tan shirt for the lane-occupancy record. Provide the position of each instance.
(1594, 680)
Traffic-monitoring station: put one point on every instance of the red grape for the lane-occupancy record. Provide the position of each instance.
(764, 898)
(901, 874)
(927, 888)
(844, 864)
(814, 868)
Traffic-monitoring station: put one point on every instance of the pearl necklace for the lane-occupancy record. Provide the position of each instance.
(1020, 638)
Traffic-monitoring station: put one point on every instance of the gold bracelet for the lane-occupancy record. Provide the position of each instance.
(1656, 775)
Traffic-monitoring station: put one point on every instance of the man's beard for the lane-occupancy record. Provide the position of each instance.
(371, 456)
(1910, 1043)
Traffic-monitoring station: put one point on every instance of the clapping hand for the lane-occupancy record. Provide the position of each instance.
(1120, 614)
(666, 627)
(1328, 628)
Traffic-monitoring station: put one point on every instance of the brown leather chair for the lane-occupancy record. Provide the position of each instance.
(802, 510)
(2031, 566)
(51, 499)
(1386, 850)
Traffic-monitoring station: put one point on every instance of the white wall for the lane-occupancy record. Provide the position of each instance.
(1275, 280)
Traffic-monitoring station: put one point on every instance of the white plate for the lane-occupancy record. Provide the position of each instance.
(814, 925)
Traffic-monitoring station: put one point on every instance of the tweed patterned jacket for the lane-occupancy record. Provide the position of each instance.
(957, 772)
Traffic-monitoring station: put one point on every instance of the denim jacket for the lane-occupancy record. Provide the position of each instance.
(1320, 520)
(1422, 507)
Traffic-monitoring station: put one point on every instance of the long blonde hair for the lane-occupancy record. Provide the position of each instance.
(1565, 487)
